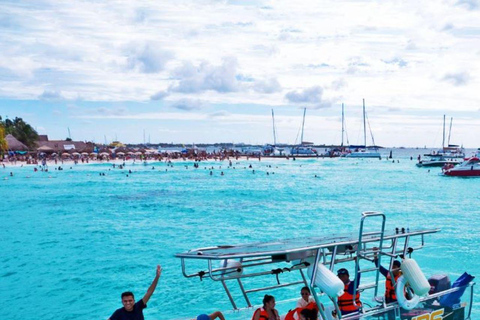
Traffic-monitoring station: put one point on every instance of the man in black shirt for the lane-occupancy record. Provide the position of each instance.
(132, 310)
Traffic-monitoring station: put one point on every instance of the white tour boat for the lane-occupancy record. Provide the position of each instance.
(313, 262)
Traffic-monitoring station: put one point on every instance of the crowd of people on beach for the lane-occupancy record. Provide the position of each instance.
(121, 165)
(59, 164)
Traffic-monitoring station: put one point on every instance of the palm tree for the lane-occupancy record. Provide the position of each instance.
(3, 142)
(21, 130)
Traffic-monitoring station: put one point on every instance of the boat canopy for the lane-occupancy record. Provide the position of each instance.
(291, 247)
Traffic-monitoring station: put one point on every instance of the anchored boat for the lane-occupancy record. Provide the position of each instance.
(312, 262)
(364, 151)
(468, 168)
(450, 155)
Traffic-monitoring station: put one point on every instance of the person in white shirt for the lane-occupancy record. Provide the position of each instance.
(306, 298)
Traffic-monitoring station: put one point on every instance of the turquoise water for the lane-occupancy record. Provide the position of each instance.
(74, 240)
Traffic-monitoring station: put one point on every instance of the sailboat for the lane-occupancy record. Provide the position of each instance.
(362, 151)
(273, 150)
(304, 149)
(452, 154)
(341, 151)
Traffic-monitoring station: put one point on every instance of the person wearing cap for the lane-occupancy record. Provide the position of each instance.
(132, 310)
(213, 316)
(345, 301)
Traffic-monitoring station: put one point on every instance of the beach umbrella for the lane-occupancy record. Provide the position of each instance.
(44, 149)
(130, 153)
(138, 153)
(66, 154)
(120, 153)
(84, 153)
(75, 154)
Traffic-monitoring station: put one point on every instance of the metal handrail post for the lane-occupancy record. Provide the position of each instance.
(240, 284)
(229, 295)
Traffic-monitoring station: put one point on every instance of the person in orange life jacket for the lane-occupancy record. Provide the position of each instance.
(306, 302)
(390, 295)
(309, 314)
(268, 312)
(345, 301)
(213, 316)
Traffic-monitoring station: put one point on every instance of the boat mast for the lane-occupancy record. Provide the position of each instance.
(443, 141)
(303, 125)
(364, 126)
(450, 131)
(274, 134)
(343, 124)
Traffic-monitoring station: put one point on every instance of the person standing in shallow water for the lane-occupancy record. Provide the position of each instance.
(134, 310)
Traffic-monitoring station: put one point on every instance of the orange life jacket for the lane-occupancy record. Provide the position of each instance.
(345, 301)
(263, 314)
(390, 294)
(312, 305)
(295, 313)
(291, 314)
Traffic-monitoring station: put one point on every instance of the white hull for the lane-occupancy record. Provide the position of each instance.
(364, 154)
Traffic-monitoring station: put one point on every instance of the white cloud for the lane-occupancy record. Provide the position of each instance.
(338, 84)
(469, 4)
(50, 95)
(116, 111)
(311, 95)
(218, 114)
(160, 95)
(457, 79)
(187, 104)
(395, 53)
(205, 76)
(267, 86)
(147, 58)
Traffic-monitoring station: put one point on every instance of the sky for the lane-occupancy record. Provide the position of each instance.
(209, 71)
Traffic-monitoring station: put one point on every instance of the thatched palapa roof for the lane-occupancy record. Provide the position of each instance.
(14, 144)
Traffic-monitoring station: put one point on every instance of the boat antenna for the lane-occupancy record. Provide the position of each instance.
(443, 141)
(274, 134)
(450, 131)
(364, 126)
(303, 124)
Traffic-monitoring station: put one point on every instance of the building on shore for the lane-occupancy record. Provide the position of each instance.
(62, 146)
